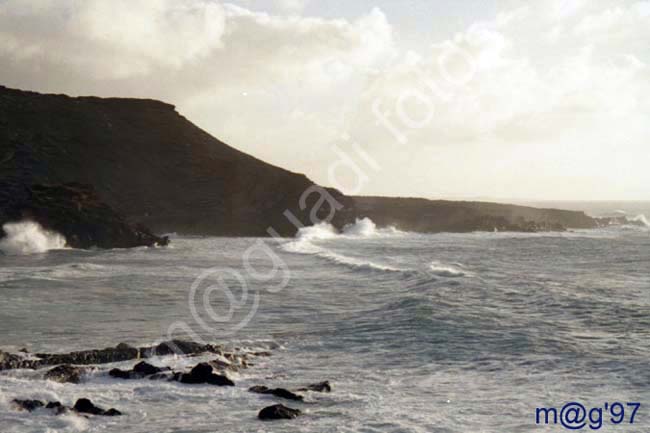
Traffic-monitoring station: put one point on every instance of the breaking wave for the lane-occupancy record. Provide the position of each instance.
(640, 219)
(443, 270)
(362, 228)
(28, 237)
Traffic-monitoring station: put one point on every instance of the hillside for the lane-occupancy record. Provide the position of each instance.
(147, 162)
(157, 170)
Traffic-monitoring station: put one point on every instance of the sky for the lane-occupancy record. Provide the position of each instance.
(508, 99)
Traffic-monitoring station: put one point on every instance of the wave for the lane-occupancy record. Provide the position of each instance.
(442, 270)
(640, 219)
(364, 228)
(29, 237)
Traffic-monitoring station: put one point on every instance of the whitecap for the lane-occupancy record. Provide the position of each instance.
(29, 237)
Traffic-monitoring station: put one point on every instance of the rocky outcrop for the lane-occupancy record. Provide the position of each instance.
(65, 374)
(435, 216)
(278, 392)
(149, 164)
(203, 374)
(74, 211)
(278, 411)
(318, 387)
(139, 371)
(155, 168)
(82, 406)
(119, 353)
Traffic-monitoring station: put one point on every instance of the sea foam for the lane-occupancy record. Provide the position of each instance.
(362, 228)
(28, 237)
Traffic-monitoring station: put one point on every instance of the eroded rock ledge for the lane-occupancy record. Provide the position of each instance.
(74, 211)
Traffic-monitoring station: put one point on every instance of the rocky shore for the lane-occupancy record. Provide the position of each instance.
(74, 211)
(73, 368)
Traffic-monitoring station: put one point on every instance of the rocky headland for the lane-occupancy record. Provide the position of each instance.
(110, 172)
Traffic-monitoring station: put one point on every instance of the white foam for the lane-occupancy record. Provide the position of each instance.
(443, 270)
(365, 228)
(28, 237)
(642, 219)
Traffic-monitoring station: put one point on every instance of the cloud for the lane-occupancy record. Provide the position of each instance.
(545, 100)
(292, 6)
(117, 39)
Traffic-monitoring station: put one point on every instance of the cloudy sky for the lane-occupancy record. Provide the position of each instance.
(446, 98)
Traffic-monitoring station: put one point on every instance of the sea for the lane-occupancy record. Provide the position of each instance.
(416, 333)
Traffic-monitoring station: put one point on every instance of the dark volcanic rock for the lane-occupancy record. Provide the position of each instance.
(10, 361)
(149, 164)
(147, 369)
(31, 405)
(318, 387)
(278, 392)
(203, 373)
(28, 405)
(122, 352)
(278, 411)
(434, 216)
(83, 405)
(139, 371)
(65, 374)
(74, 211)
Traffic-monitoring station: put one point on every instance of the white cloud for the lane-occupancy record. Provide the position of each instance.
(557, 88)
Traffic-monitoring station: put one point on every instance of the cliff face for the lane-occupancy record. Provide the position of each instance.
(74, 211)
(433, 216)
(153, 167)
(148, 163)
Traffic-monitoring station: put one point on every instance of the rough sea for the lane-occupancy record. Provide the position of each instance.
(416, 333)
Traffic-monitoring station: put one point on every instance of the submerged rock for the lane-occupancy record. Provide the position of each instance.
(318, 387)
(278, 392)
(278, 411)
(83, 405)
(65, 374)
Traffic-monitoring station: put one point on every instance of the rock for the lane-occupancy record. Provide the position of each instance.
(31, 405)
(278, 411)
(122, 352)
(202, 373)
(83, 405)
(65, 374)
(57, 406)
(189, 182)
(28, 405)
(86, 357)
(318, 387)
(180, 347)
(120, 374)
(147, 369)
(9, 361)
(139, 371)
(278, 392)
(75, 211)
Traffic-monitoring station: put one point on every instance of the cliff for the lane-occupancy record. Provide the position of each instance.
(148, 163)
(434, 216)
(74, 211)
(152, 167)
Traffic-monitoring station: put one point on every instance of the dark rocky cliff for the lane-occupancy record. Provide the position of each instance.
(433, 216)
(148, 163)
(154, 168)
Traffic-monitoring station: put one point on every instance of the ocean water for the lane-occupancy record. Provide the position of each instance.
(416, 333)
